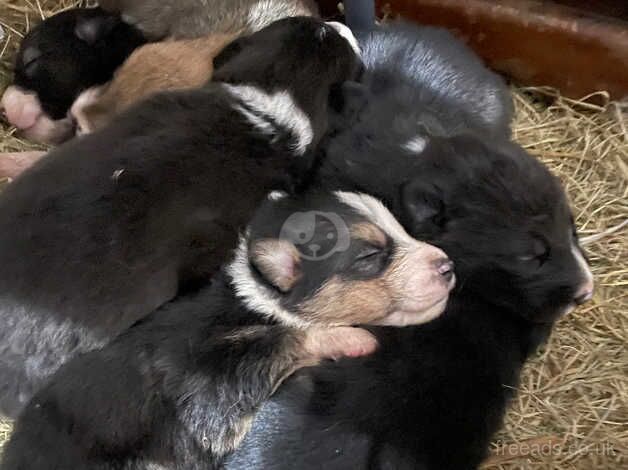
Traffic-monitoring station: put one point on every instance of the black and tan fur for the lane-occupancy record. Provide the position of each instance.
(180, 388)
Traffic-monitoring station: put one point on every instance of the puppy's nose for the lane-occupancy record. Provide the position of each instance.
(445, 268)
(584, 293)
(583, 298)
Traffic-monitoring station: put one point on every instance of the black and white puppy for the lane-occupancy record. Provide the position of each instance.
(108, 227)
(180, 388)
(435, 71)
(432, 397)
(57, 60)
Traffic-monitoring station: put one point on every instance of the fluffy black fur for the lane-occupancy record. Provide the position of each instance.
(115, 222)
(438, 73)
(148, 396)
(70, 52)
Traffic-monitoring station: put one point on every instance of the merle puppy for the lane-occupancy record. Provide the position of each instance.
(180, 388)
(58, 59)
(432, 69)
(108, 227)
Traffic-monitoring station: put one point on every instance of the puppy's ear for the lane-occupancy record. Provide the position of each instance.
(92, 29)
(424, 210)
(278, 261)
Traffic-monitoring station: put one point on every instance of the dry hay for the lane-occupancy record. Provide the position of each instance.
(571, 411)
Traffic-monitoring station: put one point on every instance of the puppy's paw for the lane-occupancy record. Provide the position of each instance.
(12, 164)
(21, 108)
(337, 342)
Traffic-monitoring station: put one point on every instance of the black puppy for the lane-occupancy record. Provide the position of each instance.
(107, 227)
(435, 71)
(432, 397)
(57, 60)
(180, 388)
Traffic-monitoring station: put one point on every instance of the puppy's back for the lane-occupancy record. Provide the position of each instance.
(168, 65)
(444, 73)
(194, 18)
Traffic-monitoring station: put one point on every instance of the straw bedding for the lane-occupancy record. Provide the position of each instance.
(571, 411)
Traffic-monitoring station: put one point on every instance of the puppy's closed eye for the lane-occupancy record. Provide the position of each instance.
(370, 260)
(537, 256)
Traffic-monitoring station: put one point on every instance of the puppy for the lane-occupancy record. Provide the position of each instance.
(194, 18)
(149, 69)
(110, 226)
(180, 388)
(432, 397)
(58, 59)
(436, 71)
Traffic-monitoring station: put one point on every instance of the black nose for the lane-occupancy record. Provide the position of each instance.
(445, 268)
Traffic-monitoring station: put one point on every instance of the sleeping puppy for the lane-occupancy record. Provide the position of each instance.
(110, 226)
(58, 59)
(168, 65)
(435, 70)
(194, 18)
(180, 388)
(432, 397)
(150, 69)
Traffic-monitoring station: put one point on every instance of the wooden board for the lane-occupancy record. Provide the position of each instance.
(576, 49)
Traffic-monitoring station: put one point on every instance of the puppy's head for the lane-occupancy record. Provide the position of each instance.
(293, 52)
(338, 259)
(506, 218)
(495, 210)
(70, 52)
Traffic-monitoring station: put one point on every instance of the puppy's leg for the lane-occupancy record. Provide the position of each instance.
(248, 366)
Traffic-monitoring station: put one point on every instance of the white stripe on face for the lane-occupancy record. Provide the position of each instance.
(376, 212)
(587, 284)
(346, 33)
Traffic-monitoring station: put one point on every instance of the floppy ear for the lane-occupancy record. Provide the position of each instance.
(91, 30)
(423, 208)
(278, 262)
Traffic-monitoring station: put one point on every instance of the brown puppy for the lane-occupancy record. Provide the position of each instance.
(179, 19)
(151, 68)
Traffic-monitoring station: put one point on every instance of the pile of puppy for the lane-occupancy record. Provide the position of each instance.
(295, 218)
